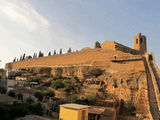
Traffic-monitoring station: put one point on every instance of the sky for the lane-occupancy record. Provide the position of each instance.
(28, 26)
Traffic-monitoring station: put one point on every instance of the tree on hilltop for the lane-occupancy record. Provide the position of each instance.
(34, 55)
(24, 56)
(40, 54)
(54, 52)
(21, 57)
(49, 54)
(60, 52)
(29, 57)
(69, 50)
(14, 59)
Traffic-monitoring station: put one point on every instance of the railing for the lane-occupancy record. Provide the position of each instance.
(126, 58)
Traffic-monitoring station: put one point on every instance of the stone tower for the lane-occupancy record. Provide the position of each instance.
(97, 45)
(140, 43)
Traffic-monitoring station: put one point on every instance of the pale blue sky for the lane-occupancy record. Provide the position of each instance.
(27, 26)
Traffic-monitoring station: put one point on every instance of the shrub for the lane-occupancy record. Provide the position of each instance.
(29, 100)
(69, 88)
(36, 108)
(20, 96)
(39, 96)
(12, 93)
(57, 84)
(49, 93)
(37, 79)
(15, 110)
(91, 99)
(57, 103)
(3, 90)
(73, 98)
(96, 72)
(129, 106)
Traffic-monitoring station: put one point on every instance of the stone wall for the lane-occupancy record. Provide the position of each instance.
(111, 45)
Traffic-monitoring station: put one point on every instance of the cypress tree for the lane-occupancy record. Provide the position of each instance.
(49, 54)
(24, 55)
(60, 52)
(69, 50)
(54, 52)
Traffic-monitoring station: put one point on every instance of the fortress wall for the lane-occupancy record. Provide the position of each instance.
(111, 45)
(120, 47)
(95, 57)
(108, 45)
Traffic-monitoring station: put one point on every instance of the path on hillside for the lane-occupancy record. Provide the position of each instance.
(151, 93)
(156, 73)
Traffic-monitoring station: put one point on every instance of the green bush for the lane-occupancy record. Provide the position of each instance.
(15, 110)
(128, 104)
(49, 93)
(12, 93)
(3, 90)
(96, 72)
(69, 88)
(91, 99)
(20, 96)
(128, 108)
(57, 103)
(29, 100)
(39, 96)
(56, 84)
(73, 98)
(37, 79)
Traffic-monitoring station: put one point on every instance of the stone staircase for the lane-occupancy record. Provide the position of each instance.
(156, 73)
(151, 93)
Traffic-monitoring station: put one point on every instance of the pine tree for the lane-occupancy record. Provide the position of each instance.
(69, 50)
(49, 54)
(29, 57)
(54, 52)
(21, 58)
(39, 54)
(60, 52)
(24, 55)
(14, 59)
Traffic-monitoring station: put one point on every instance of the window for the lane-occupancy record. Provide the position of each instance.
(136, 41)
(141, 41)
(83, 115)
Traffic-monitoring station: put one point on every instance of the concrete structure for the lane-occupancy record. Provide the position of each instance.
(73, 112)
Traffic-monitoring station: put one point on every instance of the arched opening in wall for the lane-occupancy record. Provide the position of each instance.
(150, 58)
(136, 41)
(141, 41)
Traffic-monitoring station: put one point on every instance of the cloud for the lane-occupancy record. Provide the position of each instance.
(22, 29)
(21, 12)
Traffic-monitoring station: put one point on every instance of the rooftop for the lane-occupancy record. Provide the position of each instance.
(75, 106)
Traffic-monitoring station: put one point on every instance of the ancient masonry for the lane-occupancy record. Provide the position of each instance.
(116, 60)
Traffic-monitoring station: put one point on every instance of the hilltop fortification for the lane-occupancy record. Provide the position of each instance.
(127, 72)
